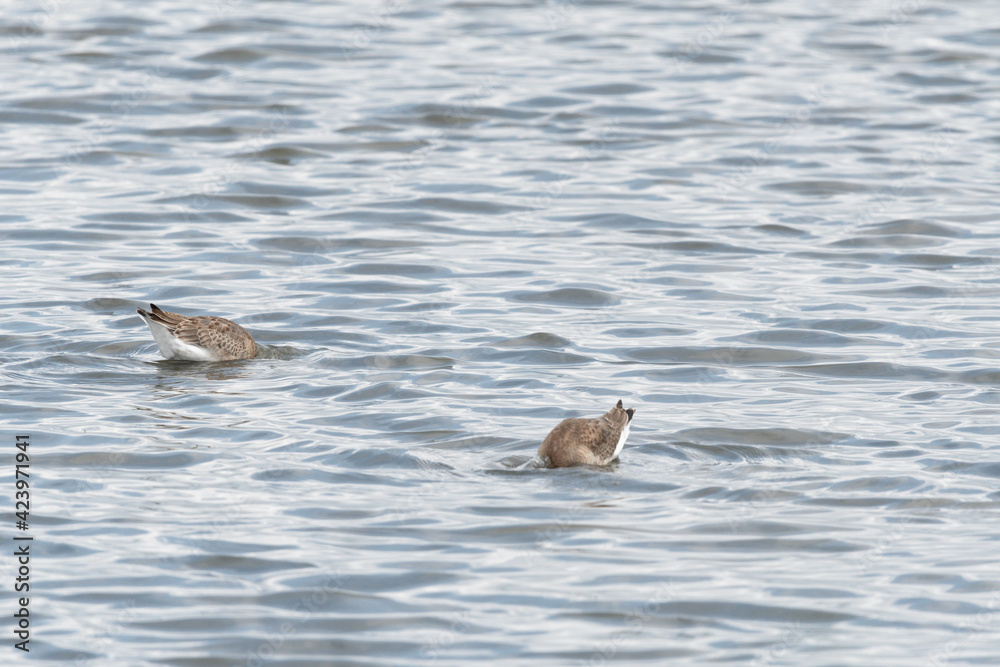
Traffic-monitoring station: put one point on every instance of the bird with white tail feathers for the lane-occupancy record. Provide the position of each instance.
(199, 337)
(583, 441)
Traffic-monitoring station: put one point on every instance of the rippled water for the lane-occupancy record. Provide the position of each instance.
(772, 228)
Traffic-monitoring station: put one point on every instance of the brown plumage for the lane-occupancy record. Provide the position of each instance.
(198, 338)
(582, 441)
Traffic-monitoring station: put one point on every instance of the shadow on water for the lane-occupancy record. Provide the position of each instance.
(521, 463)
(282, 352)
(210, 370)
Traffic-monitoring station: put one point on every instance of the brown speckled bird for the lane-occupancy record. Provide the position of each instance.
(582, 441)
(198, 338)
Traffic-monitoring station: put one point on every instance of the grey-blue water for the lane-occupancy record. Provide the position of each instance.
(771, 227)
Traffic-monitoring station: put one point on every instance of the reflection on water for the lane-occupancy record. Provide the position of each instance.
(770, 227)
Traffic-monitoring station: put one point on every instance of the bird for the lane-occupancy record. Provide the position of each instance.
(587, 441)
(198, 337)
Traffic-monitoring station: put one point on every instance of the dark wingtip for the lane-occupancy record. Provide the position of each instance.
(141, 312)
(619, 406)
(156, 309)
(630, 412)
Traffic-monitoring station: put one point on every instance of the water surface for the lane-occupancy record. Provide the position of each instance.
(772, 228)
